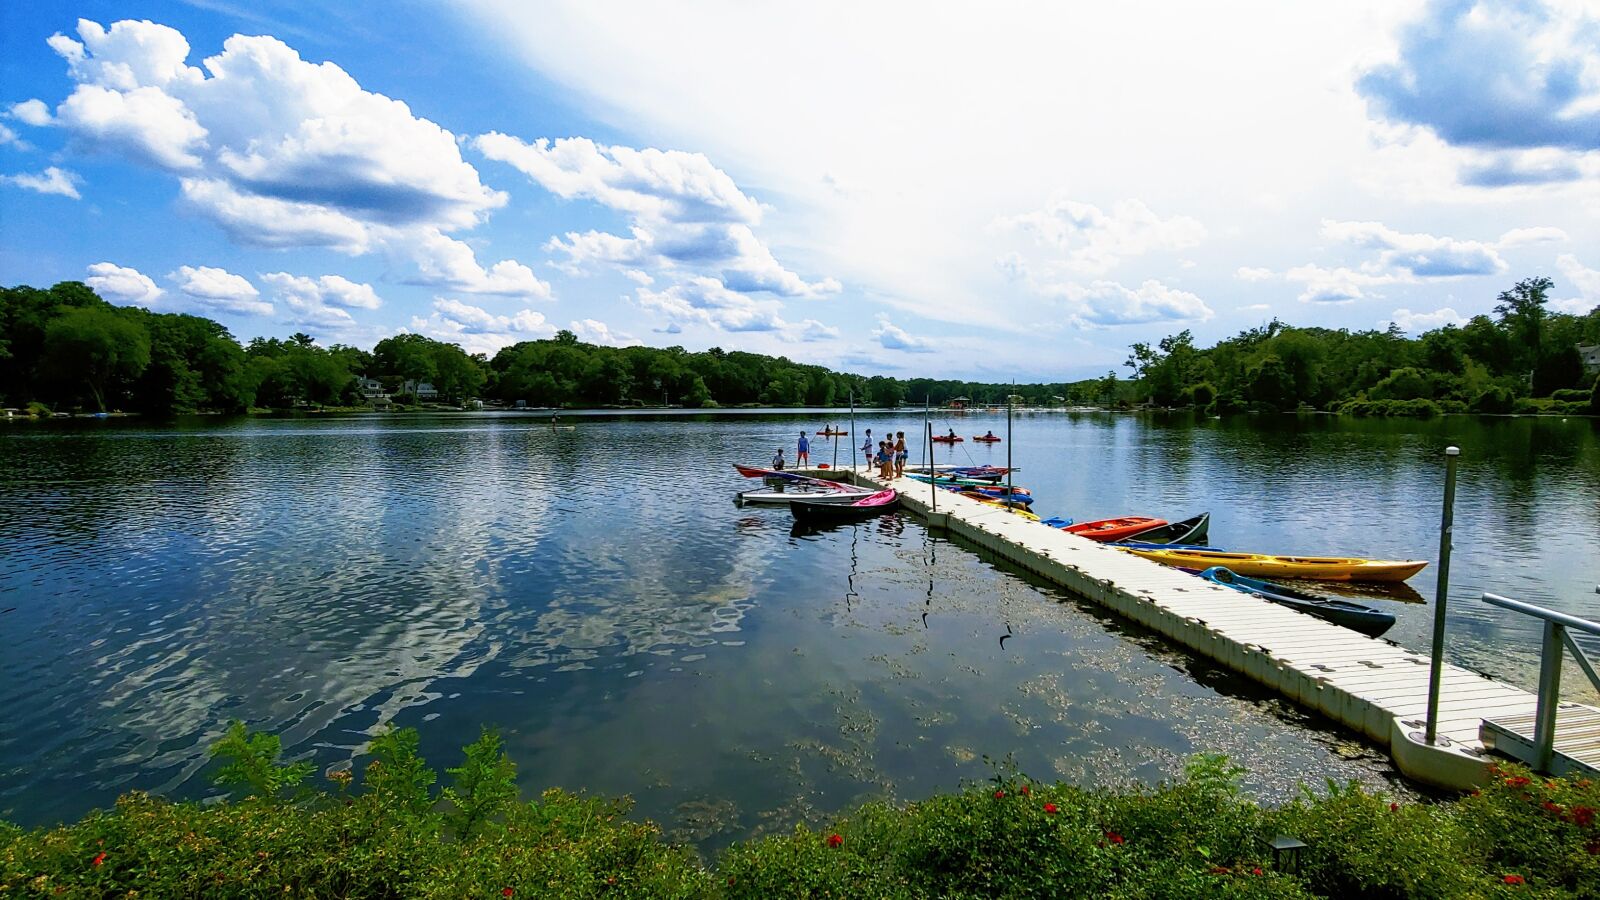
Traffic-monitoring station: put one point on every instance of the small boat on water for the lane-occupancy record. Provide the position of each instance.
(947, 439)
(987, 439)
(1356, 616)
(1105, 530)
(1189, 531)
(1261, 565)
(833, 433)
(789, 493)
(999, 492)
(953, 480)
(870, 505)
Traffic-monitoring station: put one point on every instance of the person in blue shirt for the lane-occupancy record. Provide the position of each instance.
(802, 457)
(777, 460)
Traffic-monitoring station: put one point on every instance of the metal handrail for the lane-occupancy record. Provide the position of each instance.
(1539, 612)
(1556, 641)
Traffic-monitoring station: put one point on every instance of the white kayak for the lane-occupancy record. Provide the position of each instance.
(844, 494)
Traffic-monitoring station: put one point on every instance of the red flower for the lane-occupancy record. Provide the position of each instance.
(1518, 781)
(1552, 807)
(1050, 808)
(1394, 807)
(834, 840)
(506, 892)
(1512, 879)
(1256, 871)
(99, 859)
(1113, 837)
(1025, 791)
(1583, 815)
(999, 794)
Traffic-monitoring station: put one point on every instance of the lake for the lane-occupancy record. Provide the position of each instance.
(596, 595)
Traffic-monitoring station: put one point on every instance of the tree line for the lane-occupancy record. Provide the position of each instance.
(66, 348)
(1523, 358)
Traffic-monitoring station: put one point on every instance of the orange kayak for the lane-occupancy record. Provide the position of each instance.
(1114, 529)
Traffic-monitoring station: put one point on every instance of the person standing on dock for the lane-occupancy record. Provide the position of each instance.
(866, 447)
(802, 455)
(900, 454)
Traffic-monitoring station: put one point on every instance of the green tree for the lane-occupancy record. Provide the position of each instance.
(1556, 370)
(1522, 313)
(97, 347)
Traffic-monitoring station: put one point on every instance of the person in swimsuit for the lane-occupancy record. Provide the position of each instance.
(802, 456)
(900, 454)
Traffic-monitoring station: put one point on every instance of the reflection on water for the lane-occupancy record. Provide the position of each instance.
(594, 594)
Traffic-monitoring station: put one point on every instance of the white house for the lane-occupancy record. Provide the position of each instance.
(1590, 354)
(422, 390)
(371, 388)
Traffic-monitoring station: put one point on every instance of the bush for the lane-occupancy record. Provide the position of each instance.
(38, 410)
(1494, 400)
(1594, 397)
(1571, 395)
(1200, 395)
(1546, 406)
(1421, 409)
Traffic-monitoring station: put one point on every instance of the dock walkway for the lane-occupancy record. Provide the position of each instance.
(1371, 685)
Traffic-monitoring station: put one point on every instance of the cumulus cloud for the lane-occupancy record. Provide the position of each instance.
(1254, 307)
(892, 337)
(687, 218)
(51, 181)
(219, 289)
(1418, 322)
(476, 329)
(1585, 279)
(31, 112)
(280, 151)
(707, 302)
(1247, 273)
(1422, 255)
(9, 138)
(1542, 234)
(1494, 75)
(1337, 285)
(122, 284)
(597, 332)
(1110, 303)
(1511, 168)
(328, 290)
(1093, 241)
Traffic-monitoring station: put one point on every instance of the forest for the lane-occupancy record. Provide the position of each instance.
(65, 348)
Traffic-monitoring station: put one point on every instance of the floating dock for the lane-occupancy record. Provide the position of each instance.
(1373, 686)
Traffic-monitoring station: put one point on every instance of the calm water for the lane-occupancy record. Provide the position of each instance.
(596, 595)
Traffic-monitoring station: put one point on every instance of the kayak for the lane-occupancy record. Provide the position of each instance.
(995, 492)
(1056, 522)
(833, 433)
(1261, 565)
(870, 505)
(1357, 616)
(779, 474)
(947, 439)
(1014, 503)
(1189, 531)
(1114, 529)
(958, 481)
(804, 493)
(987, 440)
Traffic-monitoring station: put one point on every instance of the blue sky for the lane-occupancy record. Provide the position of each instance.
(1012, 190)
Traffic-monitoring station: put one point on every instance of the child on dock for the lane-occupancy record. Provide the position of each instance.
(777, 460)
(900, 454)
(802, 456)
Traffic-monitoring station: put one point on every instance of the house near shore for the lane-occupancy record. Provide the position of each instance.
(371, 388)
(1590, 354)
(422, 390)
(958, 403)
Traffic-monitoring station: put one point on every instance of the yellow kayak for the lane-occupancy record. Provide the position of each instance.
(1260, 565)
(1014, 510)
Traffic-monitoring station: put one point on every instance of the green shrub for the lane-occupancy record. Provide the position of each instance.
(1594, 397)
(1496, 399)
(1421, 409)
(1545, 829)
(1571, 395)
(38, 410)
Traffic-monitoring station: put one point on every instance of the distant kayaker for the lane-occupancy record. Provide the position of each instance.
(777, 460)
(802, 456)
(989, 435)
(952, 434)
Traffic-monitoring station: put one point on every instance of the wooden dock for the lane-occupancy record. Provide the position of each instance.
(1371, 685)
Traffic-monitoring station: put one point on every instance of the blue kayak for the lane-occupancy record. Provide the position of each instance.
(1356, 616)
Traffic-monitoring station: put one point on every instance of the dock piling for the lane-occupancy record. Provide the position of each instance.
(1442, 594)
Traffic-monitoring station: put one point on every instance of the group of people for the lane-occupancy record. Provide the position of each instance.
(888, 456)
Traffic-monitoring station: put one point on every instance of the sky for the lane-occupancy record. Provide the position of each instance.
(1008, 190)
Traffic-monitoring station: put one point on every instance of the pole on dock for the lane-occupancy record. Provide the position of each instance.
(1011, 494)
(927, 459)
(933, 472)
(1442, 594)
(852, 431)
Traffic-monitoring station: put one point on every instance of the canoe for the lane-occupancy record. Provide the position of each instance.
(870, 505)
(1357, 616)
(1189, 531)
(987, 440)
(833, 433)
(1261, 565)
(947, 439)
(1114, 529)
(804, 494)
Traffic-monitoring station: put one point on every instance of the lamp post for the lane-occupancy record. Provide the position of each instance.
(1442, 595)
(1286, 854)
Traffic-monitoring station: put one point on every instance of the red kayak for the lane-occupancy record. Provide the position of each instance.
(987, 440)
(946, 439)
(1114, 529)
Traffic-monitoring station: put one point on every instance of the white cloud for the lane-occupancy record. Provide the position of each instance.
(1337, 285)
(51, 181)
(1419, 322)
(706, 302)
(9, 138)
(31, 112)
(280, 151)
(122, 284)
(1421, 255)
(1544, 234)
(1254, 307)
(892, 337)
(1247, 273)
(220, 289)
(328, 290)
(476, 329)
(1110, 303)
(1092, 241)
(1585, 279)
(686, 216)
(597, 332)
